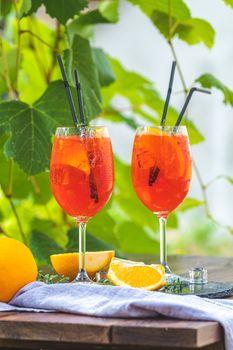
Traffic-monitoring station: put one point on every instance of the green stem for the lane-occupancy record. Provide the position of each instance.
(178, 67)
(22, 234)
(6, 74)
(8, 195)
(55, 51)
(18, 48)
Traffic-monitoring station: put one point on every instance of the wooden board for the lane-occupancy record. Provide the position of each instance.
(65, 328)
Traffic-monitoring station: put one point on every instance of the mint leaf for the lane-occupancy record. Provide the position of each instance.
(104, 68)
(60, 9)
(210, 81)
(81, 58)
(43, 246)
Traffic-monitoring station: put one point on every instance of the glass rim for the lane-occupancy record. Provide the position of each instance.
(79, 126)
(160, 127)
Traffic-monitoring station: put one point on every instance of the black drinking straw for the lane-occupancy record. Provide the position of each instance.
(68, 92)
(192, 90)
(169, 91)
(80, 100)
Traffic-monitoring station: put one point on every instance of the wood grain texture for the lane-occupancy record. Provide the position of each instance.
(65, 328)
(54, 327)
(173, 333)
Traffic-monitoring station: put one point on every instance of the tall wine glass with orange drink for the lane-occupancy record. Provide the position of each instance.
(161, 173)
(82, 176)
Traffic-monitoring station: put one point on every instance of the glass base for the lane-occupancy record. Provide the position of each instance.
(172, 277)
(83, 277)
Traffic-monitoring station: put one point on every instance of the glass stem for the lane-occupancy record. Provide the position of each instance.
(163, 243)
(82, 274)
(82, 246)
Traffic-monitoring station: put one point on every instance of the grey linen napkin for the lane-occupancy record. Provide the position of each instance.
(109, 301)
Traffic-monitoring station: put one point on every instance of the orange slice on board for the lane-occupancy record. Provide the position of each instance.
(67, 264)
(127, 273)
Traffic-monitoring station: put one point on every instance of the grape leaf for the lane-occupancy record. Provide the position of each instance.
(190, 203)
(25, 7)
(5, 8)
(31, 127)
(106, 12)
(190, 30)
(104, 68)
(93, 243)
(81, 58)
(229, 179)
(134, 241)
(43, 246)
(60, 9)
(179, 9)
(11, 61)
(229, 2)
(21, 186)
(195, 30)
(210, 81)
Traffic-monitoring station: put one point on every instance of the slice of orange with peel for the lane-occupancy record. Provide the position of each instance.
(67, 264)
(138, 275)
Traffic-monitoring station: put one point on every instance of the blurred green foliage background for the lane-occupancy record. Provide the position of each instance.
(33, 104)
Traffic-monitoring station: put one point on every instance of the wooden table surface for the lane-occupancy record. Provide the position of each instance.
(67, 331)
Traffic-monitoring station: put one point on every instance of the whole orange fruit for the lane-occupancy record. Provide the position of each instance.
(17, 267)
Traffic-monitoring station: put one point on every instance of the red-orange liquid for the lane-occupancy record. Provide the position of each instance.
(161, 170)
(82, 174)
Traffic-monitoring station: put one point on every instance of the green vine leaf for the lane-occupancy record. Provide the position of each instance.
(190, 30)
(11, 60)
(195, 30)
(210, 81)
(42, 246)
(229, 2)
(190, 203)
(104, 68)
(179, 9)
(60, 9)
(106, 12)
(31, 127)
(5, 8)
(81, 58)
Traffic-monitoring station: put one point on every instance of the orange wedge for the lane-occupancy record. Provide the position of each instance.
(67, 264)
(138, 275)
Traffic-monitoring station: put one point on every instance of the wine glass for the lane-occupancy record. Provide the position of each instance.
(161, 173)
(82, 177)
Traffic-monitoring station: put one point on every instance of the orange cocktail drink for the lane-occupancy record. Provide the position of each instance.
(82, 176)
(161, 169)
